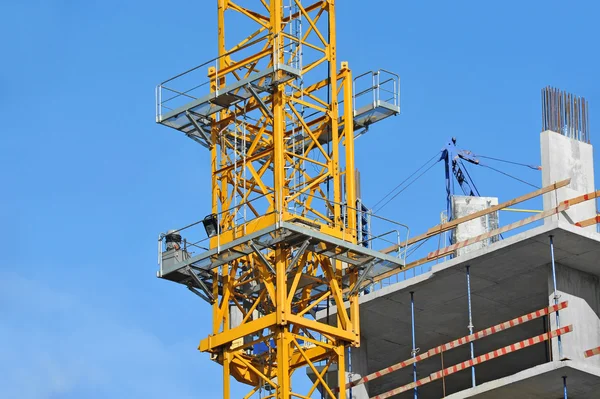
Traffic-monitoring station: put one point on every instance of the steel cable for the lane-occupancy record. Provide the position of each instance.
(407, 186)
(404, 181)
(509, 175)
(511, 162)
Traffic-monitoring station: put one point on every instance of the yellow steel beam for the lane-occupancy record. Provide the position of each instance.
(323, 328)
(215, 341)
(315, 371)
(279, 307)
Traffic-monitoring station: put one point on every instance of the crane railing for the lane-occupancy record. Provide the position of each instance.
(374, 87)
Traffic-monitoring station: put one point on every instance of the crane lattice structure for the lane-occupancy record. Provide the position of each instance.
(279, 120)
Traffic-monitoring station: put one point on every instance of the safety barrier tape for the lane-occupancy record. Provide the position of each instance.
(478, 360)
(460, 341)
(592, 352)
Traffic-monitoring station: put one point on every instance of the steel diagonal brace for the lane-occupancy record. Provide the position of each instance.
(198, 128)
(203, 286)
(259, 100)
(298, 255)
(201, 295)
(262, 257)
(362, 278)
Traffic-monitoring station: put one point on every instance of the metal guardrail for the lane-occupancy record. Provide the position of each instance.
(194, 231)
(375, 87)
(184, 87)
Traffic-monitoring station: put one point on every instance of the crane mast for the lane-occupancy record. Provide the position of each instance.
(278, 117)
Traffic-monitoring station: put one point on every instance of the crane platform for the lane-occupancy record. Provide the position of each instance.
(179, 269)
(375, 102)
(192, 118)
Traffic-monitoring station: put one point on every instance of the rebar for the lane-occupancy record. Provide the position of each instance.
(565, 113)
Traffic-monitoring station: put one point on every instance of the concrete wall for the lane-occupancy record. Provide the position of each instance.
(562, 158)
(359, 369)
(582, 290)
(465, 205)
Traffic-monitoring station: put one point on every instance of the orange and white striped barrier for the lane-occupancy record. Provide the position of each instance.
(562, 207)
(459, 342)
(592, 352)
(478, 360)
(500, 327)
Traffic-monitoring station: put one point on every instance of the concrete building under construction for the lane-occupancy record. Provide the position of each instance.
(301, 282)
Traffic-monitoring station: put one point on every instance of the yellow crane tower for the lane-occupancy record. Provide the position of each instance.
(286, 234)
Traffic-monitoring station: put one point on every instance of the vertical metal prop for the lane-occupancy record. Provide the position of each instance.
(555, 294)
(470, 324)
(351, 377)
(414, 349)
(443, 375)
(565, 386)
(565, 113)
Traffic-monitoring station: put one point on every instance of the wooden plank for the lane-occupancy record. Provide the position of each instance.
(582, 198)
(408, 266)
(439, 254)
(452, 224)
(588, 222)
(444, 251)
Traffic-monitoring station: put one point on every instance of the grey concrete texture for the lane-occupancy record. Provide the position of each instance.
(360, 359)
(508, 279)
(582, 290)
(563, 158)
(541, 382)
(463, 205)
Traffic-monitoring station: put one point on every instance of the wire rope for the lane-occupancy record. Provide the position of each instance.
(471, 182)
(506, 161)
(407, 186)
(405, 180)
(509, 175)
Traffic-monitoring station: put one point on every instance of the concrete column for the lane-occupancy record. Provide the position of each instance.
(563, 158)
(465, 205)
(582, 290)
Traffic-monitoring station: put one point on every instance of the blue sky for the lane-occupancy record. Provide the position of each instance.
(90, 180)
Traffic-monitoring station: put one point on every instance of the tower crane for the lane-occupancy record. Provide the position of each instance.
(453, 157)
(277, 114)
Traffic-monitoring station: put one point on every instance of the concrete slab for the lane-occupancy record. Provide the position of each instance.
(508, 278)
(541, 382)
